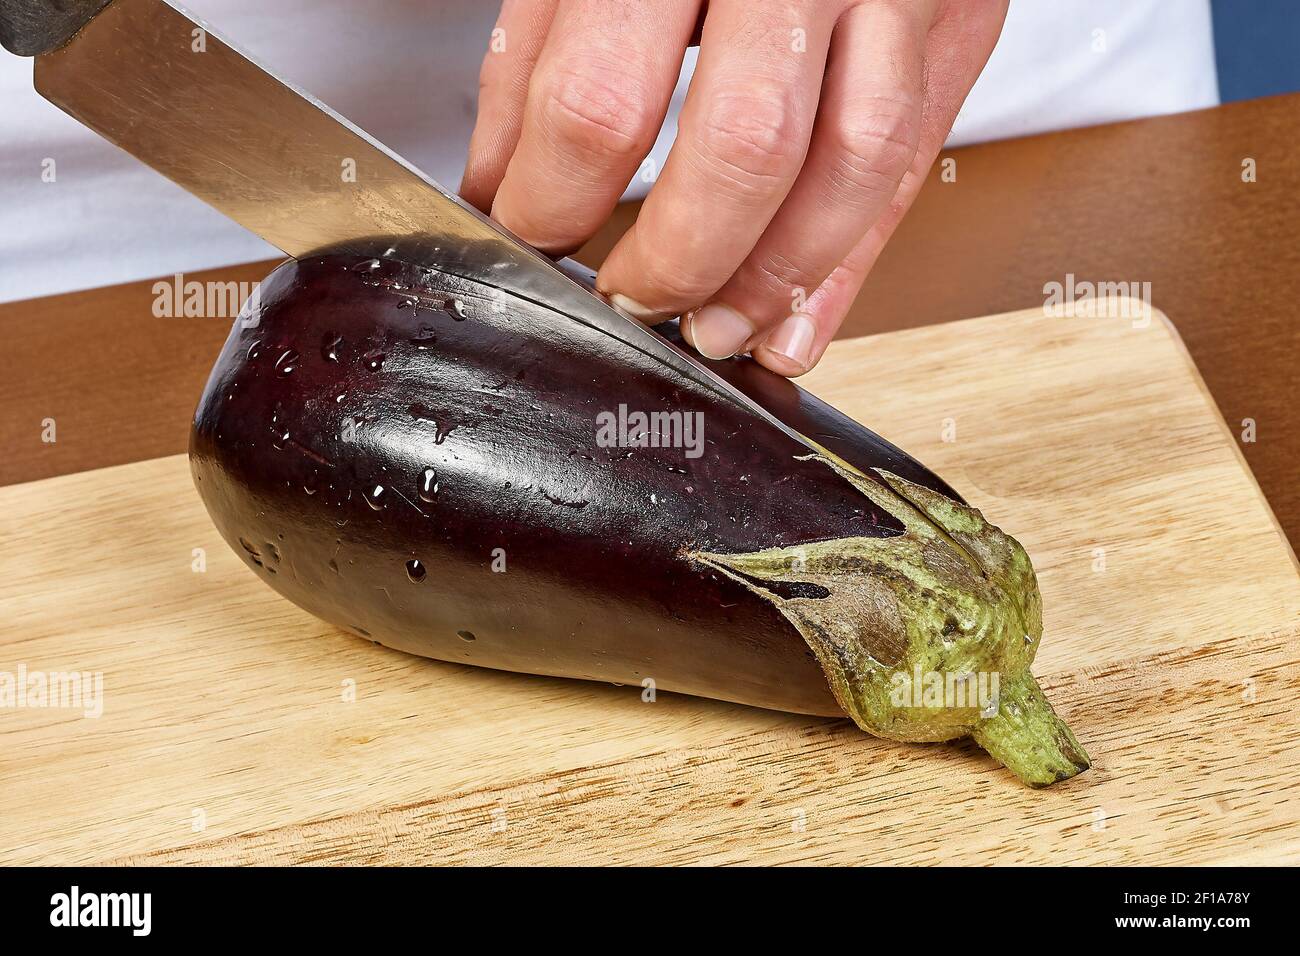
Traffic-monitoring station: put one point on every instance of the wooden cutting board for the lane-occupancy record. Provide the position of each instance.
(237, 729)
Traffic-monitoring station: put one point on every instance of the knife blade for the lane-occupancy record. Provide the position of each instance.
(162, 85)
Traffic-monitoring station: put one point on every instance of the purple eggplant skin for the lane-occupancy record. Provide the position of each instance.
(814, 419)
(419, 458)
(314, 438)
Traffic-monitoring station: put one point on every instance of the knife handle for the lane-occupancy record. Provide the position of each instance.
(33, 27)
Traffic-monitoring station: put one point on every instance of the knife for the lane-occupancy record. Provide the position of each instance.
(162, 85)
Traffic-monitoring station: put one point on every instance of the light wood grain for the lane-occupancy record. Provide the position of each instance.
(1177, 665)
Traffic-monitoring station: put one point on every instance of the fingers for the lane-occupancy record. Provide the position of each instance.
(742, 138)
(867, 132)
(597, 99)
(781, 179)
(516, 43)
(800, 339)
(956, 50)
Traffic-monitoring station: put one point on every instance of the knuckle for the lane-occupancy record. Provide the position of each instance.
(779, 277)
(599, 111)
(679, 285)
(874, 147)
(552, 235)
(753, 140)
(497, 84)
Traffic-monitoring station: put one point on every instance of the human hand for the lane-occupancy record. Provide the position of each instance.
(806, 134)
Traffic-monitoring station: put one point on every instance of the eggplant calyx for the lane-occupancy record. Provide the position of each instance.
(1027, 736)
(917, 632)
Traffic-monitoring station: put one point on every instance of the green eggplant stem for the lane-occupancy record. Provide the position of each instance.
(898, 620)
(1027, 737)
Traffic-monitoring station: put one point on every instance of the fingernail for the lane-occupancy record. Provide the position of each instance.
(793, 339)
(638, 311)
(718, 331)
(685, 326)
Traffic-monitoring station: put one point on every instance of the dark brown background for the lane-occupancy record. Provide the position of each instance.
(1157, 200)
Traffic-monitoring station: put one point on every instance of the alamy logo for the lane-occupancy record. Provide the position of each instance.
(79, 690)
(191, 299)
(959, 689)
(625, 429)
(75, 908)
(1097, 300)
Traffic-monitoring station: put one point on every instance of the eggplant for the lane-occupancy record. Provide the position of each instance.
(459, 473)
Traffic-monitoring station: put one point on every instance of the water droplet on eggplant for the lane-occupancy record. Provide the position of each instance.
(287, 362)
(330, 346)
(428, 485)
(423, 339)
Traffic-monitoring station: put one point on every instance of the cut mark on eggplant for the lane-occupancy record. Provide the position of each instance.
(411, 503)
(308, 452)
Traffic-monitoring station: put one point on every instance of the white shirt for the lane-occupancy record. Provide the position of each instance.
(406, 71)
